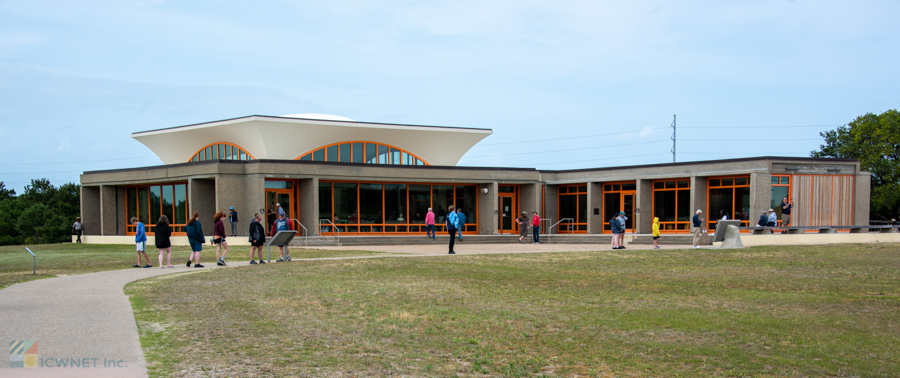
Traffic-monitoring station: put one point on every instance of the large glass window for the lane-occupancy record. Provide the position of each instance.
(573, 204)
(363, 152)
(395, 203)
(728, 196)
(394, 207)
(671, 204)
(148, 202)
(220, 151)
(781, 189)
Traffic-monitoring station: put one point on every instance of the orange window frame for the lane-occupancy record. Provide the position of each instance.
(790, 182)
(204, 157)
(710, 222)
(471, 227)
(575, 227)
(663, 225)
(148, 228)
(310, 154)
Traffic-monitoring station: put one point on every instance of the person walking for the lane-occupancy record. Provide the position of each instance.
(219, 238)
(656, 232)
(140, 239)
(452, 226)
(535, 227)
(462, 222)
(622, 219)
(161, 234)
(429, 224)
(615, 226)
(232, 218)
(196, 239)
(78, 229)
(257, 238)
(282, 224)
(696, 222)
(522, 221)
(786, 207)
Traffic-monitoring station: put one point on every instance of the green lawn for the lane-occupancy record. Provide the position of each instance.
(762, 311)
(67, 258)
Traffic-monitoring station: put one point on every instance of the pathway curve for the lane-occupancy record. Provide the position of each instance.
(86, 320)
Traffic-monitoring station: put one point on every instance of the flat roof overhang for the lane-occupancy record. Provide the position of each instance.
(286, 138)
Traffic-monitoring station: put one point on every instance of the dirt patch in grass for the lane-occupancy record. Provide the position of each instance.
(762, 311)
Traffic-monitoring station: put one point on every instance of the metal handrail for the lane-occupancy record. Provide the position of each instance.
(570, 220)
(33, 261)
(334, 227)
(305, 234)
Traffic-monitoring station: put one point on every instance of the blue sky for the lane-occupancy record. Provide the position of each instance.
(563, 84)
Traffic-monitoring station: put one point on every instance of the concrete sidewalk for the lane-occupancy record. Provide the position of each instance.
(82, 320)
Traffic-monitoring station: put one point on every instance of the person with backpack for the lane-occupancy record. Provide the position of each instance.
(616, 228)
(462, 222)
(78, 229)
(622, 219)
(257, 238)
(232, 218)
(196, 239)
(140, 239)
(161, 234)
(452, 226)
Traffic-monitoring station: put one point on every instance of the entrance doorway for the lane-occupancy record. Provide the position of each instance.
(278, 196)
(508, 210)
(618, 198)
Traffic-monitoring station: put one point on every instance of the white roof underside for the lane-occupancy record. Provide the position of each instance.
(281, 138)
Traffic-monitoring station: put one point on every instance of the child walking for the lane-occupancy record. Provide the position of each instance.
(140, 239)
(161, 235)
(655, 232)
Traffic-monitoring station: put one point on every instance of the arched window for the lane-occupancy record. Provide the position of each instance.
(363, 152)
(221, 151)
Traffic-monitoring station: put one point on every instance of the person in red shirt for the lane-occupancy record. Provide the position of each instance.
(429, 224)
(536, 227)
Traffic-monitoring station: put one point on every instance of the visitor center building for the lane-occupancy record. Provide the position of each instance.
(333, 174)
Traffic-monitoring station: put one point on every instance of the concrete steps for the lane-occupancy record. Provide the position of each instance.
(601, 239)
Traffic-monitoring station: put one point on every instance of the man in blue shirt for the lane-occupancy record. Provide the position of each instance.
(696, 222)
(462, 222)
(140, 239)
(786, 213)
(452, 226)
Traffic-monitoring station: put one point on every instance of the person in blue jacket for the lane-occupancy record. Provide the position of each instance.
(140, 238)
(195, 236)
(452, 226)
(462, 222)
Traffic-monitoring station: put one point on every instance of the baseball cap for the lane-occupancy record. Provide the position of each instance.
(231, 208)
(621, 213)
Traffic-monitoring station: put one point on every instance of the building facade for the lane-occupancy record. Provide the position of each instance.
(333, 175)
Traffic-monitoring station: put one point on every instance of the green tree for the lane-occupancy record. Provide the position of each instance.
(874, 140)
(6, 194)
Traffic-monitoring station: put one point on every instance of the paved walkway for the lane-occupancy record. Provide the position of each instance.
(86, 320)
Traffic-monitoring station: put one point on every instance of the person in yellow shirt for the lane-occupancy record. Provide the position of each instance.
(655, 232)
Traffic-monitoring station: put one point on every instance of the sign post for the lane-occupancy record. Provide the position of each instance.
(281, 238)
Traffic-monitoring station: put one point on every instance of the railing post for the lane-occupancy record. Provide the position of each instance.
(33, 261)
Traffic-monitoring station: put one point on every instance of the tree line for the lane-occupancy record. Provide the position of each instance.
(42, 214)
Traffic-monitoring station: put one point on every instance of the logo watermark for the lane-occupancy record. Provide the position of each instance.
(24, 354)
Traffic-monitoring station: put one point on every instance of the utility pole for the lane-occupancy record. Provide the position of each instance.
(673, 138)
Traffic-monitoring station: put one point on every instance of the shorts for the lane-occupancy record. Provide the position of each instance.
(196, 247)
(260, 244)
(219, 240)
(655, 237)
(141, 246)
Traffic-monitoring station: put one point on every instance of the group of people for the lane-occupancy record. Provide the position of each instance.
(522, 221)
(194, 230)
(770, 218)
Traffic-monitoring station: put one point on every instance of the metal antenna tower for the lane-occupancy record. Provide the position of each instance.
(673, 138)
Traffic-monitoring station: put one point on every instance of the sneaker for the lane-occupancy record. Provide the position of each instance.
(288, 258)
(220, 263)
(279, 260)
(452, 253)
(198, 266)
(188, 264)
(252, 262)
(135, 266)
(622, 247)
(262, 262)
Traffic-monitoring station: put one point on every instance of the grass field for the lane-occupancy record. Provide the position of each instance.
(762, 311)
(64, 259)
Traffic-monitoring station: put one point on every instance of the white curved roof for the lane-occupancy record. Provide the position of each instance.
(286, 138)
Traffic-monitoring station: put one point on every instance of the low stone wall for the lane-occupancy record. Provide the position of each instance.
(176, 240)
(816, 238)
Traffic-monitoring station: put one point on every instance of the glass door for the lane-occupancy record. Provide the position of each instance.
(274, 197)
(616, 202)
(628, 208)
(507, 213)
